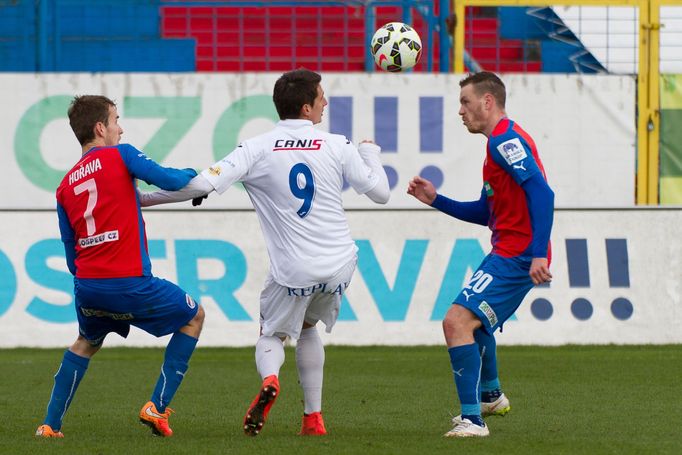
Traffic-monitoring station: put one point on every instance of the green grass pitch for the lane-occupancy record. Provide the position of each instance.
(377, 400)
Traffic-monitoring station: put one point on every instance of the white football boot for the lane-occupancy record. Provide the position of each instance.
(465, 428)
(498, 407)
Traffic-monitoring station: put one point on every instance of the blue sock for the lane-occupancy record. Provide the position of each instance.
(490, 383)
(175, 363)
(66, 381)
(466, 367)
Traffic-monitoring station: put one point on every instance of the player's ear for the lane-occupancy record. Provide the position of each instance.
(489, 101)
(99, 129)
(305, 110)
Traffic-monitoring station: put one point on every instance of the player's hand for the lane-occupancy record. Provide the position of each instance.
(190, 171)
(422, 189)
(198, 200)
(539, 271)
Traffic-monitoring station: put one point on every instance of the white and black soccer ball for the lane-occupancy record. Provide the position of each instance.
(396, 47)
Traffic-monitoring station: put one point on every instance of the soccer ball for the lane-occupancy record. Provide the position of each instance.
(396, 47)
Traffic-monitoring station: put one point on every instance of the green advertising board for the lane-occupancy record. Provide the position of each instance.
(671, 139)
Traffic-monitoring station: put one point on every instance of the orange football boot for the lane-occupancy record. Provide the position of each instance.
(260, 407)
(313, 425)
(46, 431)
(157, 421)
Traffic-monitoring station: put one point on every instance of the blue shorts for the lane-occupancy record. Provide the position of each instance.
(109, 305)
(496, 289)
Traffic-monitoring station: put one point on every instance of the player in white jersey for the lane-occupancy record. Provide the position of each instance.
(294, 177)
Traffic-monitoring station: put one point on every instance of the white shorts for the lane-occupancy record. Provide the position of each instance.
(283, 310)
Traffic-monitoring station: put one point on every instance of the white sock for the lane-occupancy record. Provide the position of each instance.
(310, 364)
(269, 356)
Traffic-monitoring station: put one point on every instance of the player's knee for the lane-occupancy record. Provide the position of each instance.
(194, 326)
(84, 348)
(199, 317)
(459, 322)
(450, 327)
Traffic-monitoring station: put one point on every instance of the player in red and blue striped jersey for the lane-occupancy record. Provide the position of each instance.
(105, 243)
(517, 205)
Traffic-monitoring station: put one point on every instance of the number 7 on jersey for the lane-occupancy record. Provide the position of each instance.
(91, 187)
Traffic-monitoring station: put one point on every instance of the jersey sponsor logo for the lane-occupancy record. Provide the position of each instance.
(190, 301)
(282, 145)
(109, 236)
(320, 288)
(488, 189)
(91, 312)
(489, 313)
(217, 169)
(512, 151)
(84, 170)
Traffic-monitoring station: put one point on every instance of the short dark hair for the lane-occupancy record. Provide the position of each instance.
(85, 112)
(487, 82)
(293, 90)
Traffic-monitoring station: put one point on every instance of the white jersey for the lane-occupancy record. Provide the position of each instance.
(294, 177)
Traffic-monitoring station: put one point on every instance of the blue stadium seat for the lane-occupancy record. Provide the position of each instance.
(174, 55)
(78, 35)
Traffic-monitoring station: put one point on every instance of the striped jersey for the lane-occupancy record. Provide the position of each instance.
(511, 158)
(100, 220)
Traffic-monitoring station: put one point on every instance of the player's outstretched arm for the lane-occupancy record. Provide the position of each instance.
(197, 188)
(142, 167)
(470, 211)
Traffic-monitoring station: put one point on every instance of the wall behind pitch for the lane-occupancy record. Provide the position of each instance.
(584, 127)
(617, 278)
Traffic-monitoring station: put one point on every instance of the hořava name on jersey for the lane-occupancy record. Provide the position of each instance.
(85, 170)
